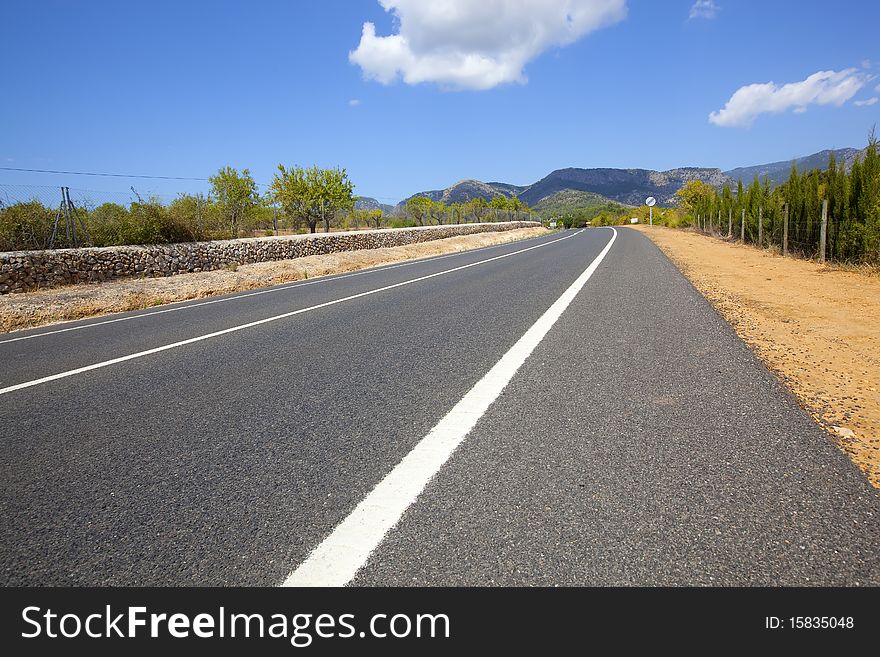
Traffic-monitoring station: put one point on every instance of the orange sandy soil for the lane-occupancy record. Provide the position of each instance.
(816, 326)
(30, 309)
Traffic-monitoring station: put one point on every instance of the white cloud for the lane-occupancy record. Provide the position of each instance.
(877, 88)
(866, 103)
(704, 9)
(354, 102)
(467, 44)
(822, 88)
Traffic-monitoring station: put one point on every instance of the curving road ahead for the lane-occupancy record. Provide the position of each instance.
(566, 410)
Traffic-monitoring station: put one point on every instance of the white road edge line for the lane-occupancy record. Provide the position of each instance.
(343, 553)
(186, 305)
(275, 318)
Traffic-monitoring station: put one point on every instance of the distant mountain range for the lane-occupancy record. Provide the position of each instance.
(570, 188)
(778, 172)
(367, 203)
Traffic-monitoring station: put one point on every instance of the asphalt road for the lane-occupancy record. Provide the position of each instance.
(640, 442)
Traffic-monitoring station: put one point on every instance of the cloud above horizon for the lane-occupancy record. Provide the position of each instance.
(821, 88)
(704, 9)
(866, 103)
(461, 44)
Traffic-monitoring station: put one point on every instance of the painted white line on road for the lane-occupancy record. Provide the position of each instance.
(338, 558)
(245, 295)
(275, 318)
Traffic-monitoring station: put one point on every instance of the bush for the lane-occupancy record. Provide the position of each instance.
(109, 225)
(25, 226)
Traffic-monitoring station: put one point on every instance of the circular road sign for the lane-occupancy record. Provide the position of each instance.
(651, 201)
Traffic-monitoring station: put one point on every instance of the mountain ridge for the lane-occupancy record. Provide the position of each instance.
(625, 186)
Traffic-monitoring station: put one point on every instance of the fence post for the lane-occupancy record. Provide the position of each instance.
(785, 232)
(729, 222)
(742, 227)
(760, 227)
(719, 222)
(823, 232)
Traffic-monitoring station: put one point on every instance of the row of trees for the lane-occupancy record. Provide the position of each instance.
(758, 210)
(299, 199)
(295, 201)
(424, 210)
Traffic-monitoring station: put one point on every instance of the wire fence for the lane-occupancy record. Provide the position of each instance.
(811, 233)
(36, 217)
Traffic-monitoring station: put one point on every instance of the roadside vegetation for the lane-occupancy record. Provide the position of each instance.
(424, 211)
(756, 211)
(298, 200)
(295, 202)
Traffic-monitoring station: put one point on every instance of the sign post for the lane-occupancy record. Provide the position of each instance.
(651, 202)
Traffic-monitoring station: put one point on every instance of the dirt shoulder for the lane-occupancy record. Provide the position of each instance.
(27, 310)
(817, 327)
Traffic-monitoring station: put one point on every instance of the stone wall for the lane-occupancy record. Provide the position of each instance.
(21, 271)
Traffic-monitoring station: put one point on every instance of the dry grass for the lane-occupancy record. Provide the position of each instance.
(817, 327)
(20, 311)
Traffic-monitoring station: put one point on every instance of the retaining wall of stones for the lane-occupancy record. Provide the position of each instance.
(21, 271)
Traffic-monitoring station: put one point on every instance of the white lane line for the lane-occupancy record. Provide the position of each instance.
(275, 318)
(339, 556)
(277, 288)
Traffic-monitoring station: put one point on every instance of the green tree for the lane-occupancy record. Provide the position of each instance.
(419, 208)
(376, 217)
(455, 212)
(295, 188)
(236, 194)
(478, 207)
(438, 212)
(869, 202)
(333, 192)
(697, 197)
(498, 203)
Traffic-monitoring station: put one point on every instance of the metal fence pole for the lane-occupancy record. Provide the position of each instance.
(760, 227)
(729, 222)
(785, 232)
(823, 232)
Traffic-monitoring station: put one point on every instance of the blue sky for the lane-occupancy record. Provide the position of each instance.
(183, 88)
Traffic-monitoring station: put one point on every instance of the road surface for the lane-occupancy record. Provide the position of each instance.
(566, 410)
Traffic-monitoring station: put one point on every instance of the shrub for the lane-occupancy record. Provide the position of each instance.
(25, 226)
